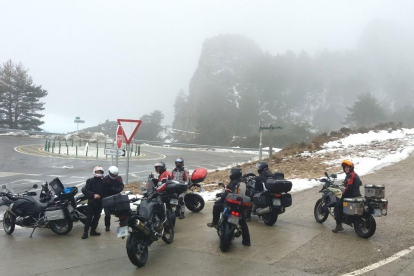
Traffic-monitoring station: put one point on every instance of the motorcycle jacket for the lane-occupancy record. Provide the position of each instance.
(259, 180)
(162, 179)
(113, 186)
(94, 185)
(232, 187)
(352, 182)
(181, 174)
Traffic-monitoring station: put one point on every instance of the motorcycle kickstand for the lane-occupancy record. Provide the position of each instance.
(33, 231)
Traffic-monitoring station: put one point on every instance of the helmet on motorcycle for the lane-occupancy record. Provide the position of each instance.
(262, 166)
(235, 173)
(179, 162)
(113, 172)
(98, 171)
(160, 167)
(349, 164)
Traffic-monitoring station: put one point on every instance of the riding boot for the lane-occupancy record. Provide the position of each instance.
(338, 228)
(85, 235)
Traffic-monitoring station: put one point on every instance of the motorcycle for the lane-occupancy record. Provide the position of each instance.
(79, 202)
(150, 222)
(274, 198)
(23, 210)
(228, 226)
(358, 212)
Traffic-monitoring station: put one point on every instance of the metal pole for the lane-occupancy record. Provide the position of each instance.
(127, 167)
(139, 150)
(117, 154)
(270, 142)
(260, 142)
(76, 150)
(112, 160)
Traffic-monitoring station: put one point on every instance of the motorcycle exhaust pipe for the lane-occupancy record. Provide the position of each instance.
(138, 225)
(262, 211)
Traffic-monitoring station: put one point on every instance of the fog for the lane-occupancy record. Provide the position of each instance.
(122, 59)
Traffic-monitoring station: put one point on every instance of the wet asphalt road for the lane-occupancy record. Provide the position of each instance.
(295, 245)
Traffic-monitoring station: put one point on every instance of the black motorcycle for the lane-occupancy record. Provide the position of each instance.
(228, 225)
(79, 203)
(151, 221)
(358, 212)
(23, 210)
(274, 198)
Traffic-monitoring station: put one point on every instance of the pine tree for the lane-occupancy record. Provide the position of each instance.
(365, 112)
(19, 98)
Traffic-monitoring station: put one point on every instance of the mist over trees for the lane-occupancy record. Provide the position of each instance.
(20, 104)
(236, 85)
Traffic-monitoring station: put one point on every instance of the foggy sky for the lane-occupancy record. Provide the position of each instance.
(122, 59)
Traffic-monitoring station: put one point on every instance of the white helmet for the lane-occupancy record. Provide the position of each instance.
(113, 172)
(96, 170)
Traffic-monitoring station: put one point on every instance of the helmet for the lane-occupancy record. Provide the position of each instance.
(235, 173)
(161, 166)
(96, 171)
(179, 160)
(262, 166)
(346, 163)
(113, 172)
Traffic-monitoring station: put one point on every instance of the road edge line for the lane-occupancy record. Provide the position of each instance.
(381, 263)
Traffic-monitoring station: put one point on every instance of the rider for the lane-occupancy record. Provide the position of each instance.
(161, 169)
(180, 173)
(232, 187)
(264, 174)
(94, 190)
(352, 184)
(113, 185)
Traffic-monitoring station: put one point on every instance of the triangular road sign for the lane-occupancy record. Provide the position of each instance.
(130, 127)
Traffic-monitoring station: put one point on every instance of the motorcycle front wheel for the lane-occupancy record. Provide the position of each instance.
(365, 226)
(9, 223)
(168, 236)
(61, 227)
(270, 218)
(320, 212)
(137, 251)
(227, 234)
(194, 202)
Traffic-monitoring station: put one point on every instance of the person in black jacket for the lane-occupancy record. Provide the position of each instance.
(94, 190)
(113, 185)
(232, 187)
(264, 174)
(352, 183)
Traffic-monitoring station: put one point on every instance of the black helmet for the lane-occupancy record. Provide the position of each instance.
(235, 173)
(262, 166)
(179, 160)
(161, 166)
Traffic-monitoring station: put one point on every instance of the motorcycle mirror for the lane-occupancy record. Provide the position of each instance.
(326, 174)
(35, 186)
(4, 187)
(334, 175)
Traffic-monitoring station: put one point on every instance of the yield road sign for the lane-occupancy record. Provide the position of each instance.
(79, 121)
(111, 151)
(119, 135)
(130, 127)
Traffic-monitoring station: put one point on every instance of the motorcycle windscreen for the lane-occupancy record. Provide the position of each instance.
(148, 187)
(147, 207)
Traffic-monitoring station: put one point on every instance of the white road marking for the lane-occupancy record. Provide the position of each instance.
(81, 177)
(72, 182)
(55, 175)
(33, 174)
(7, 174)
(381, 263)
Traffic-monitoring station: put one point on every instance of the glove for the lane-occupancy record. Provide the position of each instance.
(219, 194)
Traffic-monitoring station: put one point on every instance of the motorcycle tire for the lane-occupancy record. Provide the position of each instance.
(168, 236)
(9, 223)
(318, 213)
(194, 202)
(137, 251)
(171, 214)
(365, 226)
(227, 235)
(61, 227)
(270, 218)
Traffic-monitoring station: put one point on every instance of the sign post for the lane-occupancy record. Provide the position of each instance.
(271, 128)
(129, 128)
(78, 121)
(119, 137)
